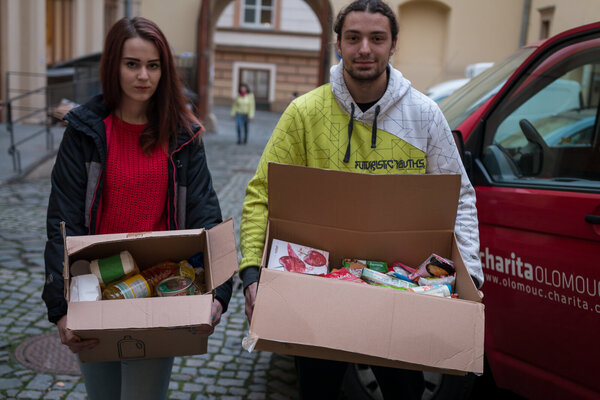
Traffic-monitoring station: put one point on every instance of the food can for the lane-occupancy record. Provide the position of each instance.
(175, 286)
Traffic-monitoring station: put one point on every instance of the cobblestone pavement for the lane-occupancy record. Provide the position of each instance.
(225, 372)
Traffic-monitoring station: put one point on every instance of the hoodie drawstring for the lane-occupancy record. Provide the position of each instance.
(350, 127)
(347, 156)
(374, 133)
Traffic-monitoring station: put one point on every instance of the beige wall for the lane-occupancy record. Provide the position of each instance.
(23, 47)
(567, 14)
(177, 19)
(89, 27)
(471, 31)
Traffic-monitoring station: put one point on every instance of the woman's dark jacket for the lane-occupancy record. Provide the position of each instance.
(77, 180)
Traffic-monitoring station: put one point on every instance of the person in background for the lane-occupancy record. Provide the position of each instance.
(243, 109)
(131, 160)
(391, 129)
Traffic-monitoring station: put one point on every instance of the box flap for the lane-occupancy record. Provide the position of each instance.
(222, 253)
(76, 243)
(324, 197)
(146, 313)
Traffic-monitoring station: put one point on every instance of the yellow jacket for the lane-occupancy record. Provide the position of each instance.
(404, 132)
(243, 105)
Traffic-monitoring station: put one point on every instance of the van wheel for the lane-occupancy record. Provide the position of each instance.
(360, 384)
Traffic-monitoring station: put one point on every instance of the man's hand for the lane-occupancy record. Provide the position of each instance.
(250, 295)
(74, 343)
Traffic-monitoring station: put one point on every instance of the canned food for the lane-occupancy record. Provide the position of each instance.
(175, 286)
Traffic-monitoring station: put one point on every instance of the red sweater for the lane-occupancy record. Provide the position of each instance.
(134, 195)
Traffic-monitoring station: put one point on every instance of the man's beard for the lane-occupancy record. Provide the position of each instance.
(364, 76)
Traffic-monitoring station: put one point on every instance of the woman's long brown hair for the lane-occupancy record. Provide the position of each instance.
(167, 112)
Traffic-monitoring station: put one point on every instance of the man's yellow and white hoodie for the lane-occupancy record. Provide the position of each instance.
(404, 132)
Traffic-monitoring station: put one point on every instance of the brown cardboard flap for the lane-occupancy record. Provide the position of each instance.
(374, 321)
(364, 202)
(223, 254)
(146, 313)
(76, 243)
(464, 283)
(410, 247)
(147, 250)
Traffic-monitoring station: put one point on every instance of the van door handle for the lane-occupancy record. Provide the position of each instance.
(592, 219)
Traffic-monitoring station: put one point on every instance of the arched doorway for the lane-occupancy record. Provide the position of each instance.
(422, 41)
(275, 71)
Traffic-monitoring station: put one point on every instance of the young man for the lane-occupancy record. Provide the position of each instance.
(369, 120)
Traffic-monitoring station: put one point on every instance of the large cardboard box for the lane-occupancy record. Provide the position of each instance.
(378, 217)
(155, 326)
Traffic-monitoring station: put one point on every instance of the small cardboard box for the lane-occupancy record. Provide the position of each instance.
(155, 326)
(379, 217)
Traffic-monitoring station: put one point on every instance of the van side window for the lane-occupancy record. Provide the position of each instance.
(546, 132)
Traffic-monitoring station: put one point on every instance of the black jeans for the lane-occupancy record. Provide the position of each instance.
(322, 379)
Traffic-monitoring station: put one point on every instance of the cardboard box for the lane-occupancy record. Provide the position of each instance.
(155, 326)
(380, 217)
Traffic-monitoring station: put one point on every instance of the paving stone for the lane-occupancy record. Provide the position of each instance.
(230, 382)
(29, 394)
(76, 396)
(257, 396)
(5, 370)
(10, 383)
(40, 382)
(180, 396)
(54, 395)
(238, 391)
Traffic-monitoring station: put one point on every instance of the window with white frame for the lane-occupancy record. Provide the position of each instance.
(258, 13)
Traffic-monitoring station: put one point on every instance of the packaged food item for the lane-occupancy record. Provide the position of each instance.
(355, 271)
(436, 290)
(80, 267)
(344, 274)
(85, 288)
(175, 286)
(135, 286)
(375, 277)
(286, 256)
(434, 280)
(400, 272)
(159, 272)
(434, 265)
(378, 266)
(352, 263)
(402, 268)
(114, 268)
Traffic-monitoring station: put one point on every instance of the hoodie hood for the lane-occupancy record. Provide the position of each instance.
(402, 111)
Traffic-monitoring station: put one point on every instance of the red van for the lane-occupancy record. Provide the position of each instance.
(531, 131)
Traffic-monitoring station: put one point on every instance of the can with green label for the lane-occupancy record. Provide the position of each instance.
(114, 268)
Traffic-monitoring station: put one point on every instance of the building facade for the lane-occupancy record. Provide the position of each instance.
(280, 47)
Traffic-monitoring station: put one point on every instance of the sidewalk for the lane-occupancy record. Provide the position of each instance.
(31, 152)
(33, 363)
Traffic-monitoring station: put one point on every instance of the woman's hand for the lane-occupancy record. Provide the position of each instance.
(217, 310)
(73, 342)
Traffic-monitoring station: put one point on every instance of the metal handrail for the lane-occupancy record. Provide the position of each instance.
(31, 111)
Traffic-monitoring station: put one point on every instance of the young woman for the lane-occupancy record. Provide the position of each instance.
(131, 160)
(243, 110)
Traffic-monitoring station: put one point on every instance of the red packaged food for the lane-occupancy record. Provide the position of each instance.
(344, 275)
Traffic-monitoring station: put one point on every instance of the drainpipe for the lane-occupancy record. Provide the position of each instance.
(128, 8)
(525, 22)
